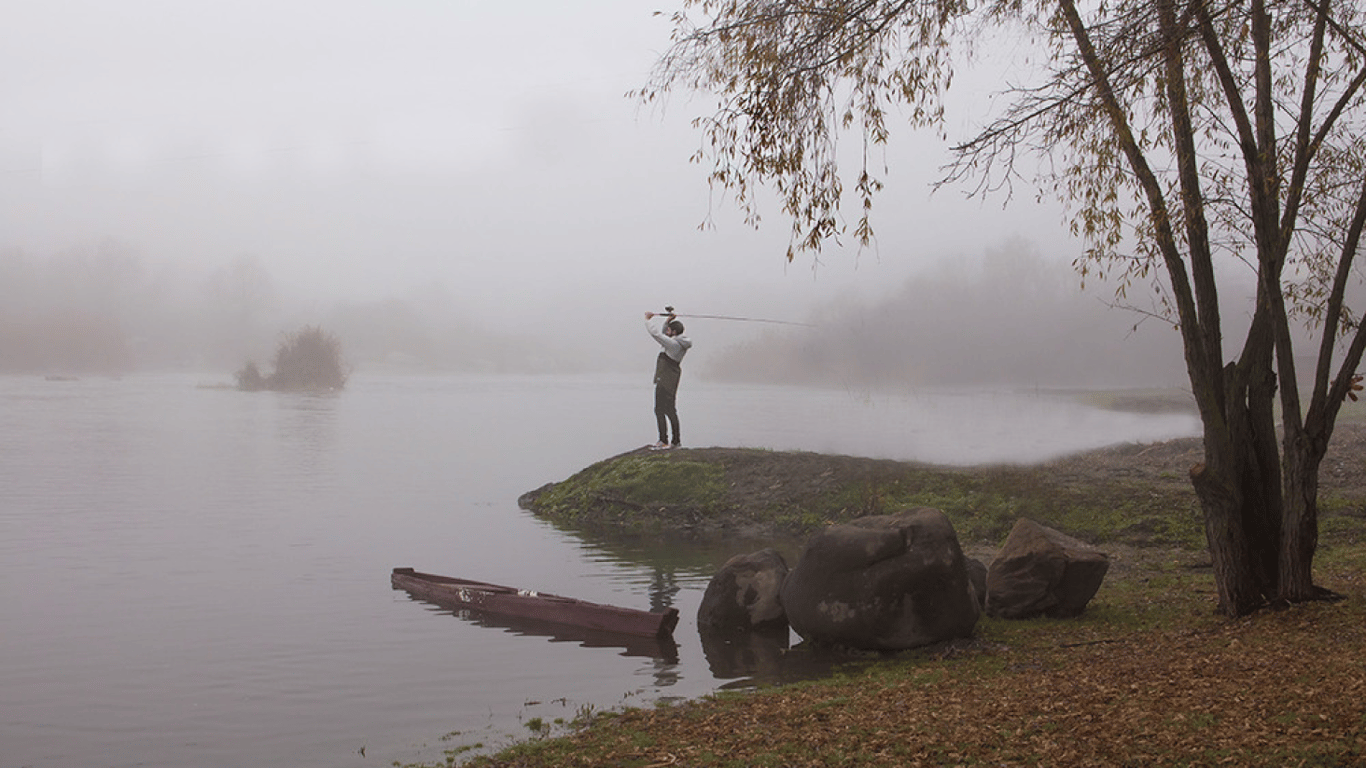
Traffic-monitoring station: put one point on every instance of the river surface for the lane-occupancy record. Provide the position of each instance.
(195, 576)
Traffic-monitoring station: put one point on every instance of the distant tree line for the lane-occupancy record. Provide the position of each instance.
(102, 308)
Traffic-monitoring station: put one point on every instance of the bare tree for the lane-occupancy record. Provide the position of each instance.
(1185, 135)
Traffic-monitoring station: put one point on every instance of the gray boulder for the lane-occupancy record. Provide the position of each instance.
(883, 583)
(743, 595)
(1042, 572)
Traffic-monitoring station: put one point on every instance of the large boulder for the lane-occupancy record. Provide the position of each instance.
(1042, 572)
(743, 595)
(884, 583)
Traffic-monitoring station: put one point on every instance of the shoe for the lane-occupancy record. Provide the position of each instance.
(660, 446)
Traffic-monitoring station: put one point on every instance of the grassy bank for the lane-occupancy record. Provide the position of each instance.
(1103, 497)
(1149, 675)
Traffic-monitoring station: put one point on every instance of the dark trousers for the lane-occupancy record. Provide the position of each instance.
(666, 408)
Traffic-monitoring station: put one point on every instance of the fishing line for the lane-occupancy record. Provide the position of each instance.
(671, 313)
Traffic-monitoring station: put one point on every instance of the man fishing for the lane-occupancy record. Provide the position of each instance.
(668, 371)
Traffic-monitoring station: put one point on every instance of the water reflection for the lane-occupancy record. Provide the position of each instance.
(669, 569)
(745, 659)
(672, 569)
(663, 587)
(665, 565)
(306, 430)
(755, 659)
(749, 656)
(664, 649)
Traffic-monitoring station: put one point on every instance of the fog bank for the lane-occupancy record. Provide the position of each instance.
(103, 309)
(1012, 317)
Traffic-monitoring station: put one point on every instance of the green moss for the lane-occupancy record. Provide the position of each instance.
(634, 482)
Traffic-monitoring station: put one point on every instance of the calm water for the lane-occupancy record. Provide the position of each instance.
(200, 577)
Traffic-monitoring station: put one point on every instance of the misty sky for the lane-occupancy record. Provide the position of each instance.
(363, 149)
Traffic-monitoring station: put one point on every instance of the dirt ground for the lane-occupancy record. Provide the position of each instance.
(1343, 472)
(1278, 689)
(761, 479)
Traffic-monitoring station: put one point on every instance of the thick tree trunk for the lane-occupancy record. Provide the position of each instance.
(1300, 534)
(1240, 494)
(1234, 577)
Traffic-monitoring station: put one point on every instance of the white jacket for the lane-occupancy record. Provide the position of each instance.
(674, 346)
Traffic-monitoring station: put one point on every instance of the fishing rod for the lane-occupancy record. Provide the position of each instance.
(671, 313)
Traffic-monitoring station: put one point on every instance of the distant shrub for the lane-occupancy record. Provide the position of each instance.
(308, 359)
(250, 378)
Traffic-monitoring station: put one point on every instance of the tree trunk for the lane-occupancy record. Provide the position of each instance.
(1234, 577)
(1300, 535)
(1240, 494)
(1262, 483)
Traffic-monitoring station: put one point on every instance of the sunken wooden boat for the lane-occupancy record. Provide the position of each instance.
(499, 600)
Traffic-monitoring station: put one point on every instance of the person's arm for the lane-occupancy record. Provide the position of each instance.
(670, 344)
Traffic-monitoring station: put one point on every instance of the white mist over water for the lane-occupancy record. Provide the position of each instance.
(199, 577)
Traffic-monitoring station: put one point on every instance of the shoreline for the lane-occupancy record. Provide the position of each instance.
(1196, 688)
